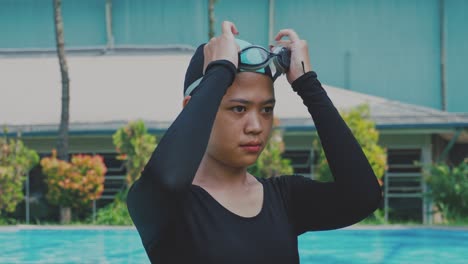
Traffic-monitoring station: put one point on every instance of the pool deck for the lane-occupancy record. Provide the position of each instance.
(14, 228)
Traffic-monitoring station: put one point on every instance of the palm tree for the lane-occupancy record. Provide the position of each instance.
(62, 141)
(211, 18)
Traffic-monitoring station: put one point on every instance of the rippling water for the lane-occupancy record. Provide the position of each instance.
(340, 246)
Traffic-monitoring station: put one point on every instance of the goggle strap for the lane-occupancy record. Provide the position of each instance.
(193, 86)
(277, 74)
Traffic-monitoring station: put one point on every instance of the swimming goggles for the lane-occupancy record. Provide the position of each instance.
(253, 58)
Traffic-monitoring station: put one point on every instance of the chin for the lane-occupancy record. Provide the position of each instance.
(241, 160)
(247, 161)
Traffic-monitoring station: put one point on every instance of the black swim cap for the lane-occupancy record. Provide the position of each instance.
(195, 67)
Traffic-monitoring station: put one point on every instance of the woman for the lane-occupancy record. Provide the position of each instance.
(195, 202)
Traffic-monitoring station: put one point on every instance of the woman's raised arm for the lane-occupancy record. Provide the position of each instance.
(152, 199)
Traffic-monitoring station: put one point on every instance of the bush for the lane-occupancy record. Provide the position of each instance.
(74, 184)
(115, 213)
(377, 218)
(449, 189)
(134, 146)
(7, 221)
(270, 163)
(363, 129)
(15, 162)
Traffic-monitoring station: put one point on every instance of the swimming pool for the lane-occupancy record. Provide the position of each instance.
(402, 245)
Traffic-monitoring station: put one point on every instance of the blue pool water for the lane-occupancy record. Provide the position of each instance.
(340, 246)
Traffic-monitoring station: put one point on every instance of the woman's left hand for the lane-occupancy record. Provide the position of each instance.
(300, 61)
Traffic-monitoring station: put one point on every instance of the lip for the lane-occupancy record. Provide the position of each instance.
(252, 147)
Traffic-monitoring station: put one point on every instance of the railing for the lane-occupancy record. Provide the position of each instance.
(402, 185)
(113, 184)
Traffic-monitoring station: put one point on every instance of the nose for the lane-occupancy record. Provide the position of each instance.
(253, 124)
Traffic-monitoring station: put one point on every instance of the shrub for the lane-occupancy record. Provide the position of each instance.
(377, 218)
(449, 189)
(15, 162)
(270, 163)
(134, 145)
(74, 184)
(7, 221)
(363, 129)
(115, 213)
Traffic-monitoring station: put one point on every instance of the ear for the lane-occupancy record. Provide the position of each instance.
(186, 100)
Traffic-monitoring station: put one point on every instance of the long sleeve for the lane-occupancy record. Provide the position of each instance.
(170, 171)
(355, 193)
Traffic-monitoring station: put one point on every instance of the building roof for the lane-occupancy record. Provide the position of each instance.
(389, 113)
(109, 90)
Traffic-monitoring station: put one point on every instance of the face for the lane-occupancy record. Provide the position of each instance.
(244, 119)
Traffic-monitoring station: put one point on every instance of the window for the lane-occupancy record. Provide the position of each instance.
(403, 185)
(301, 161)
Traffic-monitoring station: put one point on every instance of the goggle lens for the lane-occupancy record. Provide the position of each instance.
(254, 56)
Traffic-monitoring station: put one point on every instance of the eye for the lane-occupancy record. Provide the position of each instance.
(268, 109)
(238, 109)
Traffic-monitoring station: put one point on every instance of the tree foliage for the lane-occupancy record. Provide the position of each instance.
(270, 163)
(74, 184)
(449, 188)
(15, 162)
(363, 129)
(134, 145)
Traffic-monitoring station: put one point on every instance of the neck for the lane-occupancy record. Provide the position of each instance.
(214, 174)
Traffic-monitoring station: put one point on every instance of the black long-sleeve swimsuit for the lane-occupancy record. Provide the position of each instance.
(182, 223)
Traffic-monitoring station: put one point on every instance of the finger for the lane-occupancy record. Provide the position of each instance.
(229, 28)
(287, 33)
(284, 43)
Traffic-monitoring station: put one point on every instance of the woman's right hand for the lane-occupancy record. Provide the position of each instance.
(223, 47)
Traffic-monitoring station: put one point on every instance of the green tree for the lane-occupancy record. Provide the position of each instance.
(363, 129)
(15, 162)
(134, 145)
(449, 189)
(270, 163)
